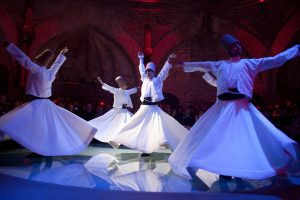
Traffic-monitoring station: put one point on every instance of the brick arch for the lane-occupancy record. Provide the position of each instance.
(129, 44)
(165, 45)
(171, 39)
(44, 32)
(283, 39)
(285, 78)
(123, 41)
(105, 54)
(250, 43)
(289, 30)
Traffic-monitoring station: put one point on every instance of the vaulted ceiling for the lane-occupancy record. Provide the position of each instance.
(104, 36)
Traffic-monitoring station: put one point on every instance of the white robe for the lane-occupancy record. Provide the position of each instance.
(233, 138)
(40, 125)
(108, 125)
(150, 127)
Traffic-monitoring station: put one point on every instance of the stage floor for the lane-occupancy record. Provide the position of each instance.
(107, 173)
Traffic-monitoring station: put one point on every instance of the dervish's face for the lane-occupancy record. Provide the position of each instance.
(235, 50)
(150, 74)
(40, 64)
(124, 87)
(121, 83)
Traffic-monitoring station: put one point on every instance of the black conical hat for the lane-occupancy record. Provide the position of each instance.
(44, 58)
(228, 40)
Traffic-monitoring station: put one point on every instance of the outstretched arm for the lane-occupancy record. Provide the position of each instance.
(207, 67)
(21, 57)
(277, 60)
(132, 91)
(163, 74)
(210, 78)
(106, 87)
(199, 66)
(58, 63)
(100, 80)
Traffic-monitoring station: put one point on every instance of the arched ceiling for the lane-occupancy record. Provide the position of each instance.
(104, 36)
(250, 14)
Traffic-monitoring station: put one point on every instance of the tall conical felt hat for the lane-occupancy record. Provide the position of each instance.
(44, 58)
(150, 65)
(228, 40)
(121, 82)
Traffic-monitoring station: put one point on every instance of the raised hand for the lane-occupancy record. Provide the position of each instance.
(140, 55)
(64, 50)
(172, 59)
(100, 80)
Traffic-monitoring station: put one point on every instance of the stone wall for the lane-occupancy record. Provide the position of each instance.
(105, 36)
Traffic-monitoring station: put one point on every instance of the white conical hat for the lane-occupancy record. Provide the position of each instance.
(121, 82)
(150, 65)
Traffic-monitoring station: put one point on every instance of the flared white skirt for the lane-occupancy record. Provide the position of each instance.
(47, 129)
(233, 138)
(109, 124)
(149, 129)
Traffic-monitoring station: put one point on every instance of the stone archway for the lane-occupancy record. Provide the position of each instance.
(285, 78)
(288, 77)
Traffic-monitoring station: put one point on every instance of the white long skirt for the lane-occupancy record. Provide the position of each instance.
(109, 124)
(149, 129)
(233, 138)
(47, 129)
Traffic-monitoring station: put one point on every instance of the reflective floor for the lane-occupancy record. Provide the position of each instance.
(101, 167)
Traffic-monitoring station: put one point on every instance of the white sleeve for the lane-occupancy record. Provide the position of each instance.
(164, 72)
(142, 69)
(109, 88)
(22, 58)
(56, 65)
(132, 91)
(198, 66)
(208, 67)
(278, 60)
(210, 79)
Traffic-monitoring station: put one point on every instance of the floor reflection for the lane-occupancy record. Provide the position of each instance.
(137, 174)
(127, 170)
